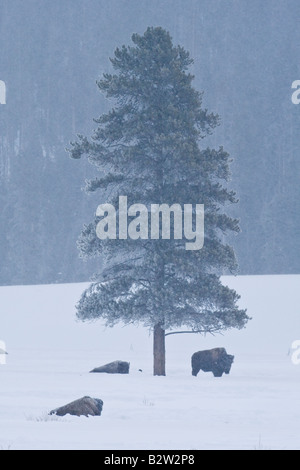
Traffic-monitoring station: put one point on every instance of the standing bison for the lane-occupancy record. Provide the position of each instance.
(214, 360)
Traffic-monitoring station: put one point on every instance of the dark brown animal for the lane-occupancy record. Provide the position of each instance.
(214, 360)
(85, 406)
(116, 367)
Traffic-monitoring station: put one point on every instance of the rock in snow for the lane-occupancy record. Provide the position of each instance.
(116, 367)
(85, 406)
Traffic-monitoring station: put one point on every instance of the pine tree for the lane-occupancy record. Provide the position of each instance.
(147, 148)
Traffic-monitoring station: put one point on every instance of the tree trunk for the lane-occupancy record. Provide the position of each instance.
(159, 351)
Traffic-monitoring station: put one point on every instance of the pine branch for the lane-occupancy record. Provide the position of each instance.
(194, 331)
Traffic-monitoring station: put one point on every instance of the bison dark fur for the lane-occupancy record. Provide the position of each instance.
(116, 367)
(84, 406)
(214, 360)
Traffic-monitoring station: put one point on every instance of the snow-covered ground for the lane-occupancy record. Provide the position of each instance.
(50, 355)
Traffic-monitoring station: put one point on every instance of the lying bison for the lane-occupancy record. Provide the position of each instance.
(214, 360)
(85, 406)
(116, 367)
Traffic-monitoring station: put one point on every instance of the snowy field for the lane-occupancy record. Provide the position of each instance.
(257, 406)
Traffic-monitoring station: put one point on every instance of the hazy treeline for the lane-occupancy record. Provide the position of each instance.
(51, 53)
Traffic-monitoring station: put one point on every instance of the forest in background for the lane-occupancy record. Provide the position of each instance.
(246, 56)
